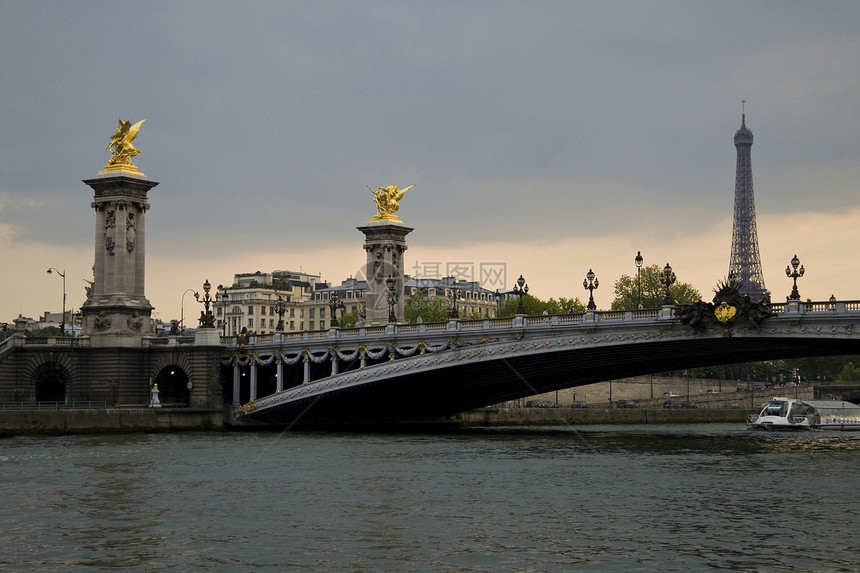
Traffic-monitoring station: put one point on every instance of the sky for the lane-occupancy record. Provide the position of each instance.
(544, 139)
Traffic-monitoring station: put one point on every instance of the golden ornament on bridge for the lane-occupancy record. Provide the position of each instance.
(386, 199)
(725, 312)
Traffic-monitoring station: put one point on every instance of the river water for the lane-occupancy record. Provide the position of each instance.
(611, 498)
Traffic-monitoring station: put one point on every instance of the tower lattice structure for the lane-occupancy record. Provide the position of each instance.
(745, 264)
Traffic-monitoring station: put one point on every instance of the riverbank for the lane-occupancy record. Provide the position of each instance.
(575, 416)
(110, 420)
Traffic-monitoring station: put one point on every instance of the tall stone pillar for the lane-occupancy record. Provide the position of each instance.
(385, 243)
(117, 312)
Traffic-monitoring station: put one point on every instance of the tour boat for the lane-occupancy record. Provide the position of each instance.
(789, 414)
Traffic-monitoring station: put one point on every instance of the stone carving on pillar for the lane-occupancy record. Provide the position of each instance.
(135, 323)
(110, 231)
(129, 233)
(101, 322)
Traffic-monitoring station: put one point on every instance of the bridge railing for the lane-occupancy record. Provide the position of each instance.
(517, 322)
(79, 405)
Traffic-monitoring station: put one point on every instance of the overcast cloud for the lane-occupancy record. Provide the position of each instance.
(552, 136)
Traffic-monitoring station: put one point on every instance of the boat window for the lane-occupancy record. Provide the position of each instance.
(775, 409)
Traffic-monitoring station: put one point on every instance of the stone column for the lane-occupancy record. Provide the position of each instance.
(253, 368)
(385, 243)
(237, 376)
(117, 312)
(279, 374)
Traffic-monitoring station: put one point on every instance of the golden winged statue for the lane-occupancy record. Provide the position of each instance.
(121, 148)
(386, 199)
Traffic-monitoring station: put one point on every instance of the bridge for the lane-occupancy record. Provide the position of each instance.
(429, 371)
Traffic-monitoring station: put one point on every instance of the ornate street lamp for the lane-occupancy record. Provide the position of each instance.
(794, 274)
(335, 303)
(207, 320)
(392, 299)
(280, 308)
(667, 280)
(638, 260)
(590, 283)
(520, 290)
(454, 295)
(63, 319)
(224, 298)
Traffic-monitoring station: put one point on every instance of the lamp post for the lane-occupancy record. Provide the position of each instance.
(280, 308)
(224, 298)
(667, 280)
(63, 319)
(638, 260)
(207, 320)
(520, 289)
(182, 310)
(392, 299)
(454, 295)
(590, 283)
(335, 303)
(792, 274)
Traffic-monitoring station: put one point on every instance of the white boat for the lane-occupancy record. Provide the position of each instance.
(789, 414)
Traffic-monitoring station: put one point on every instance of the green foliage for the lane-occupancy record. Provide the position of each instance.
(46, 332)
(429, 310)
(653, 292)
(534, 306)
(349, 319)
(849, 372)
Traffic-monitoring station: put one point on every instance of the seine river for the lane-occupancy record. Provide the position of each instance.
(609, 498)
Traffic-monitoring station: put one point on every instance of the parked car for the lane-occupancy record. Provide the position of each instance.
(732, 404)
(578, 404)
(669, 395)
(687, 405)
(741, 388)
(625, 404)
(668, 404)
(712, 391)
(758, 387)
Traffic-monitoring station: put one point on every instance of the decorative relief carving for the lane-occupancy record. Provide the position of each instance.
(129, 232)
(110, 231)
(135, 323)
(101, 322)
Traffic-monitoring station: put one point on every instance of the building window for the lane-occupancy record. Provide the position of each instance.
(292, 313)
(311, 313)
(312, 325)
(431, 292)
(322, 312)
(250, 323)
(292, 325)
(250, 310)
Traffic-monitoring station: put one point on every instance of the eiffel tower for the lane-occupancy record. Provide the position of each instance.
(745, 264)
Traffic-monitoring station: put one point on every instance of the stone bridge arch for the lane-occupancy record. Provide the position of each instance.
(48, 377)
(172, 372)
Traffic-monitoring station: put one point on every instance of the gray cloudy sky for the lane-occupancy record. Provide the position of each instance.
(553, 137)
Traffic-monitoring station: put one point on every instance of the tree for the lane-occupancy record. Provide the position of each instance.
(653, 292)
(428, 309)
(349, 319)
(534, 306)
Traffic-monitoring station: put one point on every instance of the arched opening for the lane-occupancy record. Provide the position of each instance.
(173, 386)
(51, 381)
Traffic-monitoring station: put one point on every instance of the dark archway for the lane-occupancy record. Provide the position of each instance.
(51, 381)
(173, 386)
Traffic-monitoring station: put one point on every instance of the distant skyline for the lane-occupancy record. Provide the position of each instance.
(546, 137)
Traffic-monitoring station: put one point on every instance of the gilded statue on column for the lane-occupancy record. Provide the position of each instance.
(387, 202)
(121, 147)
